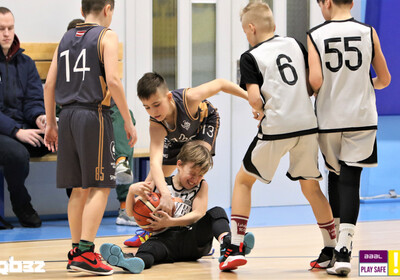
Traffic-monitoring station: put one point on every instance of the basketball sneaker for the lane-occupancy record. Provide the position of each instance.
(124, 220)
(248, 244)
(71, 255)
(90, 262)
(123, 173)
(114, 256)
(324, 258)
(140, 237)
(340, 263)
(233, 257)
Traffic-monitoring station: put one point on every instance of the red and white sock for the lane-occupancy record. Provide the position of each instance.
(238, 229)
(328, 233)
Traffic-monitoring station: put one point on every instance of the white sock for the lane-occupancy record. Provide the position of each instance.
(337, 224)
(346, 233)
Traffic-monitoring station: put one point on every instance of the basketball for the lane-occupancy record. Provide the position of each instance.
(143, 208)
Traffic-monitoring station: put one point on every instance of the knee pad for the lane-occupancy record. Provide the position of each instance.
(217, 213)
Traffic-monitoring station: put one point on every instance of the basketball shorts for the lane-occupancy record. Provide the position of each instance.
(85, 148)
(263, 156)
(208, 131)
(354, 148)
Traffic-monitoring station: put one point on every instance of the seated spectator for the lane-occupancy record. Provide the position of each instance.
(22, 119)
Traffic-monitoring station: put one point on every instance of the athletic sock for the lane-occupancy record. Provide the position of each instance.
(74, 245)
(238, 225)
(328, 233)
(337, 225)
(346, 233)
(85, 245)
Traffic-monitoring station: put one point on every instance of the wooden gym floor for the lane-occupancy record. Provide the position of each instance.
(281, 252)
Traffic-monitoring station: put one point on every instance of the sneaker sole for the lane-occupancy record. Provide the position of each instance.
(232, 263)
(249, 241)
(77, 268)
(114, 256)
(123, 222)
(340, 268)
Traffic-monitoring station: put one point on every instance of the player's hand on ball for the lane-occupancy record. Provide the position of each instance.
(166, 204)
(142, 189)
(160, 220)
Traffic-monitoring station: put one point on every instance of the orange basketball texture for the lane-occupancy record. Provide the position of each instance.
(143, 208)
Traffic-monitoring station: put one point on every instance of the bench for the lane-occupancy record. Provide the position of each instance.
(42, 55)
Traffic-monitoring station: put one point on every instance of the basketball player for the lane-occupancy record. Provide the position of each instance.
(188, 234)
(177, 117)
(274, 73)
(77, 81)
(340, 53)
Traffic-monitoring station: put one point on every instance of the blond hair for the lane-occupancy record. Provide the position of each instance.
(260, 15)
(195, 152)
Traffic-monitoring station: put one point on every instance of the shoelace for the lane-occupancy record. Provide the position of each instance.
(98, 256)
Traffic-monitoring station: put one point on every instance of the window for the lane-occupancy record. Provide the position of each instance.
(165, 40)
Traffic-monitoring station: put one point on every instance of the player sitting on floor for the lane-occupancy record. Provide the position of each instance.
(188, 235)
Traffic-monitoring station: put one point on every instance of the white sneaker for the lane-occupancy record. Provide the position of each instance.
(123, 173)
(124, 220)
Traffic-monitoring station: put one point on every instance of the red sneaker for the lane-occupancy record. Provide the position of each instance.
(137, 240)
(71, 254)
(90, 262)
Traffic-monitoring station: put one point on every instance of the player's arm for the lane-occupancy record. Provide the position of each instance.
(110, 54)
(314, 64)
(199, 209)
(198, 94)
(51, 131)
(157, 135)
(383, 77)
(255, 100)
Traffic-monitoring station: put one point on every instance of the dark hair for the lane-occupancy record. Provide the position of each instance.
(74, 22)
(196, 153)
(95, 6)
(148, 85)
(338, 2)
(4, 10)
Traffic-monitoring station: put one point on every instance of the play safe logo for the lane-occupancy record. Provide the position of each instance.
(13, 266)
(379, 263)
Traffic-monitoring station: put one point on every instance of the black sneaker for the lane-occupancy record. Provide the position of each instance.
(324, 258)
(248, 244)
(27, 216)
(340, 263)
(233, 257)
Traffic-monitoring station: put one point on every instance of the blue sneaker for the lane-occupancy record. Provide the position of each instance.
(140, 237)
(114, 256)
(248, 243)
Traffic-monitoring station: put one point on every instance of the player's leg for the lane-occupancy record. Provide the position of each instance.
(304, 166)
(323, 214)
(241, 204)
(76, 205)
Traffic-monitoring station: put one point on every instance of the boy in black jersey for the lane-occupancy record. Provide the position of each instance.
(340, 54)
(274, 71)
(177, 117)
(188, 234)
(77, 81)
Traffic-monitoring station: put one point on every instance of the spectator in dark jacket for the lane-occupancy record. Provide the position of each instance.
(22, 118)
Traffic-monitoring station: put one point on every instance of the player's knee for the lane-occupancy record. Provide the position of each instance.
(217, 213)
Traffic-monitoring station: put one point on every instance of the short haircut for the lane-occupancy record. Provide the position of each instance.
(95, 6)
(195, 152)
(74, 22)
(338, 2)
(259, 14)
(4, 10)
(148, 85)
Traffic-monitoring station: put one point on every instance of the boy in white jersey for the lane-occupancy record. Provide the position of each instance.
(340, 54)
(274, 73)
(188, 234)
